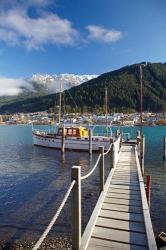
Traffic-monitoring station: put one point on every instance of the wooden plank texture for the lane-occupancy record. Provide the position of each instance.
(98, 244)
(121, 215)
(121, 224)
(122, 208)
(120, 236)
(121, 221)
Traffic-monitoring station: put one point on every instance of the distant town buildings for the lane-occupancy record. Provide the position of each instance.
(45, 118)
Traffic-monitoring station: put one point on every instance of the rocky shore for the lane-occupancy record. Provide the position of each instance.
(58, 243)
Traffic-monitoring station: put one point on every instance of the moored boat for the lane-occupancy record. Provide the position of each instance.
(76, 138)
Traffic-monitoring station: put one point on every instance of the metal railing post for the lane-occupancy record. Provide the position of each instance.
(101, 169)
(76, 207)
(90, 141)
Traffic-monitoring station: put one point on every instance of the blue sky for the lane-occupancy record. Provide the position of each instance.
(79, 36)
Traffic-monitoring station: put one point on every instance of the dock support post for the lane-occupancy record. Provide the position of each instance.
(164, 154)
(112, 154)
(90, 141)
(101, 169)
(142, 151)
(63, 140)
(116, 133)
(148, 188)
(138, 144)
(120, 145)
(76, 208)
(138, 134)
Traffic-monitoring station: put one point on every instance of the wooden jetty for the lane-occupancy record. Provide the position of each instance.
(121, 218)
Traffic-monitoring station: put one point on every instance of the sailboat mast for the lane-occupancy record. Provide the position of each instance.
(106, 109)
(60, 102)
(141, 97)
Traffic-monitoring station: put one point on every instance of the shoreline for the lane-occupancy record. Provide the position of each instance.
(59, 242)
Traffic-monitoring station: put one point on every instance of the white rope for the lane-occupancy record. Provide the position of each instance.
(45, 233)
(108, 150)
(87, 175)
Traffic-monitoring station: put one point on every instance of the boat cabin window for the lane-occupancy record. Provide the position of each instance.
(77, 132)
(74, 131)
(69, 132)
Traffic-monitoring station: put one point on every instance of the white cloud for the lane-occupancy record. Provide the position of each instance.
(22, 4)
(39, 3)
(102, 34)
(17, 28)
(13, 87)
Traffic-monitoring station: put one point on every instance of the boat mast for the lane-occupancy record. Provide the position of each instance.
(106, 109)
(141, 99)
(60, 102)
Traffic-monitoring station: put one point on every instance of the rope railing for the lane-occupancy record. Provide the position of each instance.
(87, 175)
(108, 149)
(98, 159)
(55, 217)
(75, 187)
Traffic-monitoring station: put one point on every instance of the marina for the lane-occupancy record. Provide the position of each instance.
(82, 125)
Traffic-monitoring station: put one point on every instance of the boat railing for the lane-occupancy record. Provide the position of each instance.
(75, 188)
(41, 132)
(105, 130)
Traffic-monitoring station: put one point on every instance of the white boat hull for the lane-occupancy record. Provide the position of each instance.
(80, 144)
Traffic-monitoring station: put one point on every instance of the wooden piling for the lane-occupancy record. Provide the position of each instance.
(142, 152)
(120, 145)
(101, 169)
(112, 155)
(116, 133)
(164, 154)
(148, 188)
(138, 134)
(76, 208)
(90, 141)
(63, 140)
(138, 144)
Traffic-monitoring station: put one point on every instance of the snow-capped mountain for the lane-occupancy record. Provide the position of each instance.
(52, 82)
(14, 90)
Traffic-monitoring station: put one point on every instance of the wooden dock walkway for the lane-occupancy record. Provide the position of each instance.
(121, 218)
(122, 221)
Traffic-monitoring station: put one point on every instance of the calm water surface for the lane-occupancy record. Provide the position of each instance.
(33, 181)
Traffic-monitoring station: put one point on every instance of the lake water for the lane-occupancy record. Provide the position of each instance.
(33, 181)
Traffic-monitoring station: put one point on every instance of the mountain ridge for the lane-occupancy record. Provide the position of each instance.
(123, 90)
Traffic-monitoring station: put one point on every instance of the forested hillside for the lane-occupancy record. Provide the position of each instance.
(123, 87)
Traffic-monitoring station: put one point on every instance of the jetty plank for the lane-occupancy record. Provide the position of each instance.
(123, 219)
(98, 244)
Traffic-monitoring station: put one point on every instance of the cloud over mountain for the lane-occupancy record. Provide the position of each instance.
(47, 83)
(13, 87)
